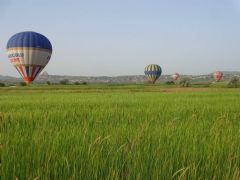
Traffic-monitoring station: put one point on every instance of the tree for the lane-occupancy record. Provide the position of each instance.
(169, 82)
(2, 85)
(48, 83)
(76, 83)
(234, 82)
(22, 84)
(185, 82)
(64, 82)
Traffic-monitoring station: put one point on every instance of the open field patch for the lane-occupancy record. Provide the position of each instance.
(120, 133)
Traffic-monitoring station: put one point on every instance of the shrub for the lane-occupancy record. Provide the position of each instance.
(84, 83)
(48, 83)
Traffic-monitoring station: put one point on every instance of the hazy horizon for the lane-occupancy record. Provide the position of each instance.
(120, 38)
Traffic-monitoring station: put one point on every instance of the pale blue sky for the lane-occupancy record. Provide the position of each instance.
(110, 37)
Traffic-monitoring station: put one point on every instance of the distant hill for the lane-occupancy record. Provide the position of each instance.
(44, 77)
(9, 79)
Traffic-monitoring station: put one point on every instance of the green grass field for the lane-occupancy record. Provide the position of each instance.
(119, 132)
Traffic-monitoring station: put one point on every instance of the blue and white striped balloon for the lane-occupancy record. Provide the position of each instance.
(153, 72)
(29, 52)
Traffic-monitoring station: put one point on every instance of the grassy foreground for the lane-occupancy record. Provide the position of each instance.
(127, 132)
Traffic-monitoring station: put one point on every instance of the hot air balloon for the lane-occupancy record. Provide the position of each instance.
(175, 76)
(217, 75)
(29, 52)
(153, 72)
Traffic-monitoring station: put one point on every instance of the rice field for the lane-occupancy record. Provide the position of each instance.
(119, 132)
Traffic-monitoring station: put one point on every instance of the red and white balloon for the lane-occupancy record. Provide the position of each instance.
(217, 75)
(175, 76)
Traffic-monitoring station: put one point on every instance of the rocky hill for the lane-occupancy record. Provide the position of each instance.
(44, 77)
(127, 79)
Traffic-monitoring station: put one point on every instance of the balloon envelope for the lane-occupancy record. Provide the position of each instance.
(217, 75)
(153, 72)
(175, 76)
(29, 52)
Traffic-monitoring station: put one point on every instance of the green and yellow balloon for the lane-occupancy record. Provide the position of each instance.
(153, 72)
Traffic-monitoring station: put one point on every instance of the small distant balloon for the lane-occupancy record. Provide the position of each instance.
(175, 76)
(153, 72)
(217, 75)
(29, 52)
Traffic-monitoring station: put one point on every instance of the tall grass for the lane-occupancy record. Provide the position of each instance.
(80, 134)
